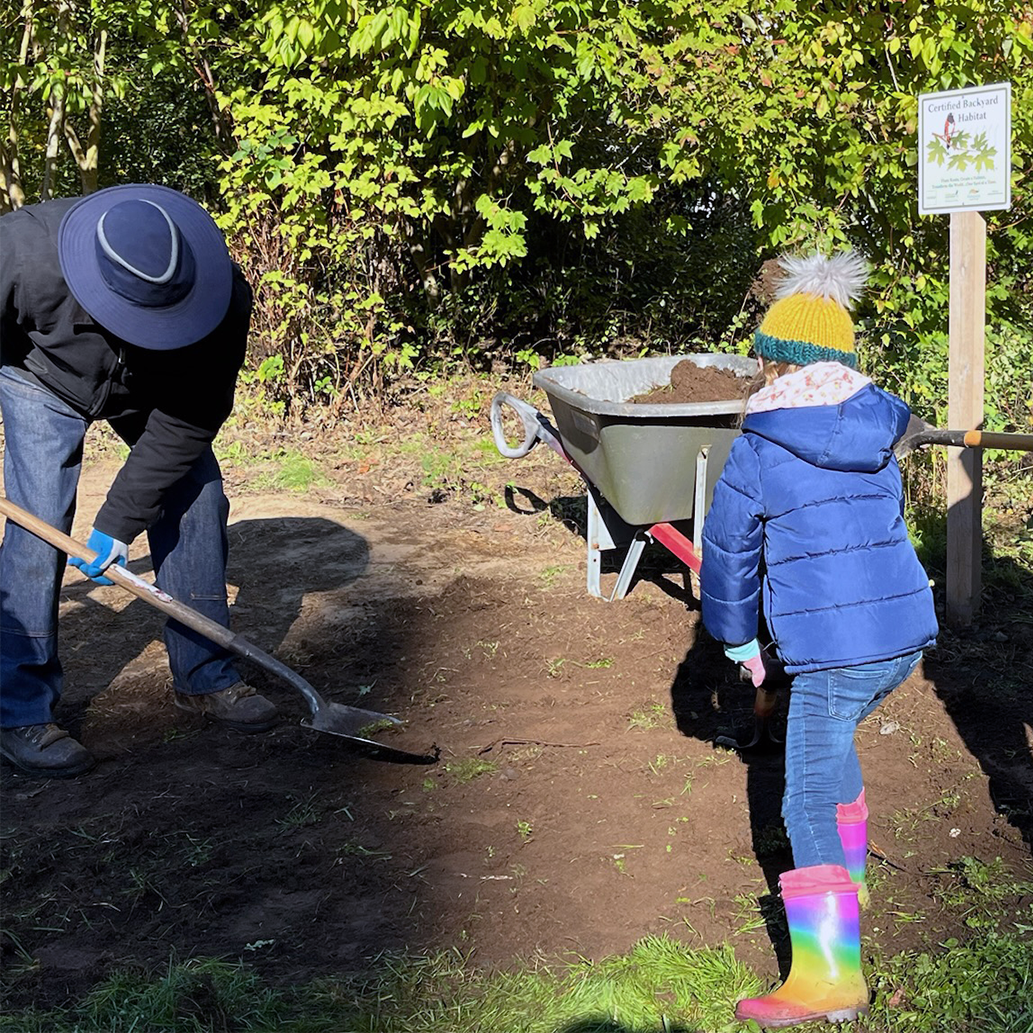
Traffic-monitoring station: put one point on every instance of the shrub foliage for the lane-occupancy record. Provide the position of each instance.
(528, 181)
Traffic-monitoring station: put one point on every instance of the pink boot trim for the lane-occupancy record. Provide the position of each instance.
(852, 813)
(819, 878)
(852, 826)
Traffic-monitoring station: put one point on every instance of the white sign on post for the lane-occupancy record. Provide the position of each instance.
(964, 168)
(964, 150)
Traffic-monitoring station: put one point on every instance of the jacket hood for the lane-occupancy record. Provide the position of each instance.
(857, 434)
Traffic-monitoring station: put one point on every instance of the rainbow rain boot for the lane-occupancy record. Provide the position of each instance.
(825, 980)
(852, 824)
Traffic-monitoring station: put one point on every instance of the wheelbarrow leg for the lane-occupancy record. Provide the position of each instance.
(628, 567)
(607, 531)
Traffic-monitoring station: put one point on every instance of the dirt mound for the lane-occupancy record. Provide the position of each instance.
(691, 383)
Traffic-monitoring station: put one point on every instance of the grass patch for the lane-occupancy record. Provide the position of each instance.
(293, 472)
(286, 469)
(466, 770)
(659, 985)
(983, 892)
(194, 996)
(984, 986)
(549, 575)
(650, 715)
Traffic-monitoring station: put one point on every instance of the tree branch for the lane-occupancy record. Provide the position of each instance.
(222, 123)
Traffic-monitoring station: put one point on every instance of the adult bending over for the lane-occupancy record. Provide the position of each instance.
(121, 306)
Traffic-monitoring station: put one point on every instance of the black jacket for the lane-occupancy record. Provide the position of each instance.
(168, 405)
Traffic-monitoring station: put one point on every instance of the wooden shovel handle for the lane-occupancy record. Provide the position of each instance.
(325, 717)
(122, 577)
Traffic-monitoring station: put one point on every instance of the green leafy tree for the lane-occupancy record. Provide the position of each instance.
(438, 145)
(412, 178)
(133, 74)
(420, 144)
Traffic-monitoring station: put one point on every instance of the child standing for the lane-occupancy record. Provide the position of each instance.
(809, 512)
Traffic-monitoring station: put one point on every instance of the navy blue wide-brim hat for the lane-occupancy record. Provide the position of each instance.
(148, 264)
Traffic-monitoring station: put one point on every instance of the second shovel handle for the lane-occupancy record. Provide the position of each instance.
(764, 702)
(993, 439)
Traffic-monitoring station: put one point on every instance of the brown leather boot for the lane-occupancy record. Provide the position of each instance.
(239, 707)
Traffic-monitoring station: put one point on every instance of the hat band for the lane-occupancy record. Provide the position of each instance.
(799, 353)
(140, 289)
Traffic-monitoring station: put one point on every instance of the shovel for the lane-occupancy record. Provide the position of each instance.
(919, 433)
(764, 703)
(334, 718)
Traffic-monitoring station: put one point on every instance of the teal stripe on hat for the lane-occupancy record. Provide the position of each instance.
(800, 353)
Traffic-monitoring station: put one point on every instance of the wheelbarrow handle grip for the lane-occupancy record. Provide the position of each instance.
(536, 428)
(926, 435)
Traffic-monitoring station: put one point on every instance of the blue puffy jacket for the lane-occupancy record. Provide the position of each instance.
(810, 503)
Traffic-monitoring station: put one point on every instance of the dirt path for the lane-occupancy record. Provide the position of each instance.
(579, 803)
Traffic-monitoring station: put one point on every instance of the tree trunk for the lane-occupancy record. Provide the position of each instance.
(56, 128)
(55, 131)
(221, 121)
(418, 253)
(5, 206)
(12, 194)
(96, 104)
(88, 159)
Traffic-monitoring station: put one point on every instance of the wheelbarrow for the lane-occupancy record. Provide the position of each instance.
(649, 468)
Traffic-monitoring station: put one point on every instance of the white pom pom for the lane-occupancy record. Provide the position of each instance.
(840, 278)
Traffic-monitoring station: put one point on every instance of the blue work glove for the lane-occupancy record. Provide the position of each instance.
(109, 550)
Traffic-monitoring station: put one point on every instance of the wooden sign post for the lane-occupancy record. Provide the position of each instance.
(965, 409)
(964, 164)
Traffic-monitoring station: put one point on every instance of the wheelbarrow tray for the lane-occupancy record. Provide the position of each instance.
(643, 457)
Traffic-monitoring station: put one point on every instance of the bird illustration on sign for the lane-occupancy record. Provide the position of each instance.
(959, 149)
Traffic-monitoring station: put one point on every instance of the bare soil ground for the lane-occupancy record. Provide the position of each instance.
(579, 803)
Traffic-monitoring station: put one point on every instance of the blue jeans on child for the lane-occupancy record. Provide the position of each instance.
(42, 460)
(822, 769)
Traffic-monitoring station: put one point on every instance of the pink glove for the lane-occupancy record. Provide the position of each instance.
(755, 665)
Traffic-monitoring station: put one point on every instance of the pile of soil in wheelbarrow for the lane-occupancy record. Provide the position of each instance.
(692, 383)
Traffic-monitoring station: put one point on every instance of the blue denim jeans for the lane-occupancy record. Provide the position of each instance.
(822, 769)
(42, 461)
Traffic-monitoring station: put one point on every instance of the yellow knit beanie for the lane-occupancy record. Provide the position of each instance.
(810, 321)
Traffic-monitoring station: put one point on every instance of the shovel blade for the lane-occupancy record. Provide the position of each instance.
(356, 725)
(339, 719)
